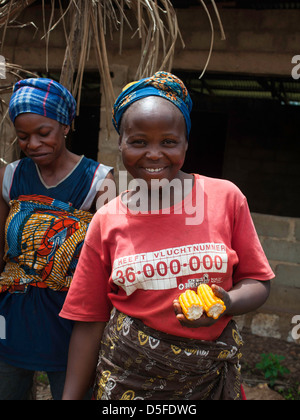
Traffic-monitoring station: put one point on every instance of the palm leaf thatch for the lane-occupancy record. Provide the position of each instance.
(8, 144)
(86, 24)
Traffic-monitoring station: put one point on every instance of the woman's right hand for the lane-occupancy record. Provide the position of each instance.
(203, 321)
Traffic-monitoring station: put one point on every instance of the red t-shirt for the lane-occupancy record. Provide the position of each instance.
(141, 262)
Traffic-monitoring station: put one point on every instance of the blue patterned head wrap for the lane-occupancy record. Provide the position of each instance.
(162, 84)
(43, 97)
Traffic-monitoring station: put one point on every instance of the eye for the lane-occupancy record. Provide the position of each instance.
(138, 143)
(169, 142)
(44, 134)
(22, 138)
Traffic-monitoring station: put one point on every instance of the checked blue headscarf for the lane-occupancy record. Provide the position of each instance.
(161, 84)
(43, 97)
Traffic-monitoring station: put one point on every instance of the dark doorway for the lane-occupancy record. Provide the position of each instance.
(205, 154)
(85, 138)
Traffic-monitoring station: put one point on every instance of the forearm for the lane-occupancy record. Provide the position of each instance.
(83, 357)
(247, 296)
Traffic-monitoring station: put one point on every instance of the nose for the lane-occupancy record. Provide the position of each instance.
(154, 153)
(33, 143)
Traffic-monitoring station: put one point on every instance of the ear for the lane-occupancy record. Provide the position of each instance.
(187, 144)
(66, 129)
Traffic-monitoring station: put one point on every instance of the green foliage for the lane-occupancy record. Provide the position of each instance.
(42, 378)
(291, 393)
(272, 368)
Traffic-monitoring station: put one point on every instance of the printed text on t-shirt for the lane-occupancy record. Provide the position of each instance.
(159, 270)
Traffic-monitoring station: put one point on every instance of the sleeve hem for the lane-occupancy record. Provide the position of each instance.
(267, 277)
(83, 318)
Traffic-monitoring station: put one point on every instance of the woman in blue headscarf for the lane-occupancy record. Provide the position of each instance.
(47, 200)
(173, 232)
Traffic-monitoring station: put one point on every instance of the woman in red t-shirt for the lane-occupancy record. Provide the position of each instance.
(170, 232)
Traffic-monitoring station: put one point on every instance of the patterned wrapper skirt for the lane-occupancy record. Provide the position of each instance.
(139, 363)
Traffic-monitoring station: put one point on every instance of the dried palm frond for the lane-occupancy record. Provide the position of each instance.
(8, 145)
(157, 28)
(11, 9)
(223, 37)
(86, 23)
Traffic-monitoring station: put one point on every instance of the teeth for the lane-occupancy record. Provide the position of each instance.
(154, 170)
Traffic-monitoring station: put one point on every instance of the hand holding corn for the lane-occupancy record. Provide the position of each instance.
(213, 306)
(191, 305)
(194, 304)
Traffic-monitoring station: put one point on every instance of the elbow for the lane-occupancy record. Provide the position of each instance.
(265, 291)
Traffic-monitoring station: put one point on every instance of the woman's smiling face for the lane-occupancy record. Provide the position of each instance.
(153, 140)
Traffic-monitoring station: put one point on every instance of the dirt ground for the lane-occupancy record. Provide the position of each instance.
(256, 388)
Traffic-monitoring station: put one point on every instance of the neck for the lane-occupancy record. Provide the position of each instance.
(57, 170)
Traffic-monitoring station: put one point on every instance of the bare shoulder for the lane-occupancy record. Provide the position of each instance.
(106, 192)
(110, 176)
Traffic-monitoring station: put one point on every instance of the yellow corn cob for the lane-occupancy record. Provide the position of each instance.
(213, 306)
(191, 305)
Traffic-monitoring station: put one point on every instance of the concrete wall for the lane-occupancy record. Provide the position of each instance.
(280, 238)
(257, 41)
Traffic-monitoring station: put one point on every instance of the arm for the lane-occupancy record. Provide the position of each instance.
(247, 296)
(83, 356)
(4, 210)
(87, 299)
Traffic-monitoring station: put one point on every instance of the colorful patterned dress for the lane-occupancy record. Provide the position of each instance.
(45, 230)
